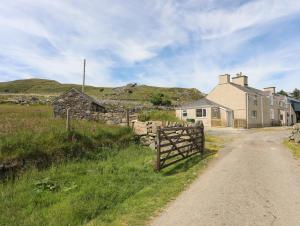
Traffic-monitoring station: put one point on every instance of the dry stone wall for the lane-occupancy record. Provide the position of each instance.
(295, 136)
(148, 130)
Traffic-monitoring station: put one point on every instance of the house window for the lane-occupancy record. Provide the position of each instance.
(215, 113)
(200, 112)
(254, 114)
(255, 100)
(184, 113)
(272, 116)
(281, 117)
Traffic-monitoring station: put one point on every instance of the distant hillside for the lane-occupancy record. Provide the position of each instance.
(128, 92)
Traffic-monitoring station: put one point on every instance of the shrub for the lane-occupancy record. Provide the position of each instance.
(160, 99)
(191, 120)
(143, 117)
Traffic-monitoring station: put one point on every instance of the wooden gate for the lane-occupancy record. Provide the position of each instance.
(174, 144)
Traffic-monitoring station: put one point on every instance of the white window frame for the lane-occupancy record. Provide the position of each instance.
(184, 113)
(203, 112)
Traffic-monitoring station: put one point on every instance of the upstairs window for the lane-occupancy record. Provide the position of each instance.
(255, 100)
(184, 113)
(200, 112)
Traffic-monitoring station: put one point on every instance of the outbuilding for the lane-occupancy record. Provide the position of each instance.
(296, 107)
(81, 105)
(209, 112)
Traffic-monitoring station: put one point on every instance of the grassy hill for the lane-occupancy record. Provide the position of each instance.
(128, 92)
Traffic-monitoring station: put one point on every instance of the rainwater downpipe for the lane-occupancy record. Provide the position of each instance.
(262, 111)
(247, 113)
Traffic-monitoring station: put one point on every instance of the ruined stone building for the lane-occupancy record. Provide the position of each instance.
(81, 105)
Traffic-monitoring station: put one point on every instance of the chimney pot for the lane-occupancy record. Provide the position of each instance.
(240, 79)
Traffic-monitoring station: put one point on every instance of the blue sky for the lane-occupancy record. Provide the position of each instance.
(163, 43)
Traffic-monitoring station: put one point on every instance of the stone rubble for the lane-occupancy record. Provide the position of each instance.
(295, 136)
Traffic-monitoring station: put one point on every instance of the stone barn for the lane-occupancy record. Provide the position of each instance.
(81, 105)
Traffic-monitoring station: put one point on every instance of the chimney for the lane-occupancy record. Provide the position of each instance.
(223, 79)
(240, 79)
(270, 90)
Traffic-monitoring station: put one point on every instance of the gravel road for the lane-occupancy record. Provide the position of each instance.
(255, 182)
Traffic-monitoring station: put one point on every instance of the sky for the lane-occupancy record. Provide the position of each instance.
(172, 43)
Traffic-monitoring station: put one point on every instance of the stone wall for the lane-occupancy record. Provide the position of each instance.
(80, 105)
(147, 130)
(295, 136)
(114, 118)
(26, 99)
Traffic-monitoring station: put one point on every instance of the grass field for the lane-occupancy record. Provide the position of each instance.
(158, 115)
(103, 176)
(295, 148)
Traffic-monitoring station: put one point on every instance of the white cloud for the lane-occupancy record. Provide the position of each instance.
(50, 38)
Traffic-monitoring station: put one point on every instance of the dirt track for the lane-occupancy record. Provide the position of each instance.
(256, 182)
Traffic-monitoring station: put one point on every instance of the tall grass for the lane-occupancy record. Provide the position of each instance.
(159, 115)
(110, 182)
(31, 134)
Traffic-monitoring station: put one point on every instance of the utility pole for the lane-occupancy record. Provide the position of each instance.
(83, 81)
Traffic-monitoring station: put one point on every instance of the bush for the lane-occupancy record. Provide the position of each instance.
(191, 120)
(160, 99)
(143, 117)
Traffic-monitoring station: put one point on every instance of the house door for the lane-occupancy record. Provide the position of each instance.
(229, 119)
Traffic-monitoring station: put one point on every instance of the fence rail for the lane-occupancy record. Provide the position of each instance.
(174, 144)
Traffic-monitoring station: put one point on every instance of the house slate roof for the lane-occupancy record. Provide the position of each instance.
(249, 89)
(203, 102)
(295, 103)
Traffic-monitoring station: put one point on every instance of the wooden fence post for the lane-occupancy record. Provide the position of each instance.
(158, 148)
(203, 139)
(68, 120)
(127, 117)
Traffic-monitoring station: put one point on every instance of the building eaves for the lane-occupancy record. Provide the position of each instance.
(202, 103)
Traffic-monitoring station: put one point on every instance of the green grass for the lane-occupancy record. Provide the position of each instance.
(113, 182)
(139, 93)
(294, 147)
(158, 115)
(31, 133)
